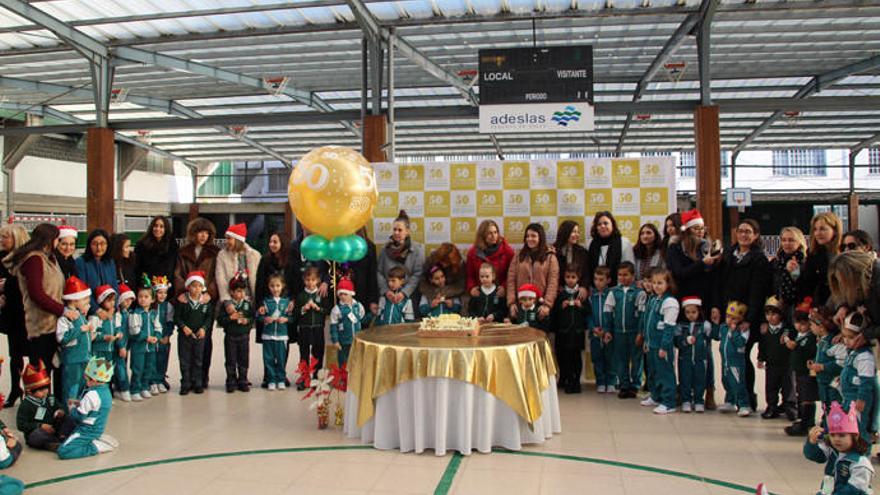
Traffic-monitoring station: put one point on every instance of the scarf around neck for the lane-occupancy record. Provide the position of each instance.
(399, 251)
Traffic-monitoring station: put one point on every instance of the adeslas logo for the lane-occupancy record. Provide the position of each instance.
(525, 118)
(568, 114)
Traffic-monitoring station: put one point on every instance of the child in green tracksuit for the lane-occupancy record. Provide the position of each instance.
(165, 309)
(570, 322)
(121, 385)
(193, 318)
(622, 312)
(237, 327)
(692, 338)
(830, 358)
(660, 325)
(599, 328)
(310, 311)
(91, 414)
(646, 303)
(144, 330)
(440, 304)
(391, 312)
(275, 312)
(75, 339)
(106, 333)
(858, 379)
(345, 320)
(733, 360)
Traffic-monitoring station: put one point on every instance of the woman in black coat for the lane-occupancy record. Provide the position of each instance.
(12, 315)
(745, 276)
(156, 251)
(826, 232)
(363, 273)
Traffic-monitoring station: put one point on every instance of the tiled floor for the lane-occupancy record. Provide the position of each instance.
(618, 447)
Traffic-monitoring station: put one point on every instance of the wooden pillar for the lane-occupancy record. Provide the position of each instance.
(100, 171)
(374, 129)
(288, 220)
(193, 211)
(707, 139)
(853, 211)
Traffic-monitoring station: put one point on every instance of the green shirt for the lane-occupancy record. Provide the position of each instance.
(312, 317)
(233, 327)
(195, 315)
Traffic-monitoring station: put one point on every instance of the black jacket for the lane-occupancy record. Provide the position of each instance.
(12, 314)
(67, 265)
(154, 262)
(692, 277)
(488, 304)
(363, 274)
(813, 281)
(747, 280)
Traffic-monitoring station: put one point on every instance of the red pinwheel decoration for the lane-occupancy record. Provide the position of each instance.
(305, 371)
(339, 377)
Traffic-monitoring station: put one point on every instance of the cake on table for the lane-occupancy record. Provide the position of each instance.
(449, 325)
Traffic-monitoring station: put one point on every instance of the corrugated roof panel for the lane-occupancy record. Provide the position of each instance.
(417, 9)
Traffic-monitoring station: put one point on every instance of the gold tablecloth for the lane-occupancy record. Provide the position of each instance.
(514, 364)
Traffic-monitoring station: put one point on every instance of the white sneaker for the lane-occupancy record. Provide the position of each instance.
(162, 388)
(661, 409)
(146, 394)
(281, 386)
(117, 395)
(699, 408)
(685, 407)
(611, 389)
(102, 447)
(272, 387)
(136, 397)
(125, 396)
(600, 389)
(648, 402)
(109, 440)
(726, 408)
(154, 389)
(744, 412)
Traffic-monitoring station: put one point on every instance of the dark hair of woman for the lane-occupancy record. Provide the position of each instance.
(563, 233)
(281, 255)
(757, 229)
(648, 250)
(92, 236)
(594, 230)
(541, 251)
(42, 237)
(162, 245)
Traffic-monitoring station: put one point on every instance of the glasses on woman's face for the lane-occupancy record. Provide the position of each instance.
(849, 246)
(745, 231)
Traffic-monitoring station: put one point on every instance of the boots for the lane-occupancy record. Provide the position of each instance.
(710, 399)
(807, 420)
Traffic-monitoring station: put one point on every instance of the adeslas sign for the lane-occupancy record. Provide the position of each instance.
(537, 117)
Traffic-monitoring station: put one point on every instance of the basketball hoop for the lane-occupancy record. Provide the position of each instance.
(276, 85)
(675, 70)
(469, 76)
(643, 118)
(740, 204)
(144, 136)
(118, 95)
(791, 117)
(238, 131)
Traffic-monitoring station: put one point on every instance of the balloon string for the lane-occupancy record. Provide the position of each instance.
(333, 281)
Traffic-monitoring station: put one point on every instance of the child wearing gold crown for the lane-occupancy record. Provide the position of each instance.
(39, 417)
(91, 414)
(75, 338)
(144, 330)
(733, 359)
(848, 470)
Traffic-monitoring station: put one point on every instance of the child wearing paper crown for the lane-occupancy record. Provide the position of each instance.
(192, 318)
(39, 417)
(345, 319)
(693, 338)
(858, 379)
(144, 330)
(848, 470)
(75, 338)
(121, 385)
(733, 360)
(91, 414)
(165, 308)
(773, 358)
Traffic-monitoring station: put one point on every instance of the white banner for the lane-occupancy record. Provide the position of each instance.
(537, 117)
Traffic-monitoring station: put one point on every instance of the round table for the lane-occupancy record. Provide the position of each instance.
(460, 393)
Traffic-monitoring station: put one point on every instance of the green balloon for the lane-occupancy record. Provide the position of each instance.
(340, 249)
(314, 248)
(360, 248)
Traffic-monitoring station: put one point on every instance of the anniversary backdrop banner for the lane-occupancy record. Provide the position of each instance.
(446, 201)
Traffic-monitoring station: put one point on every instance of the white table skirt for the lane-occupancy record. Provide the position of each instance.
(441, 414)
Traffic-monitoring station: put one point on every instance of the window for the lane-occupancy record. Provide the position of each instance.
(874, 161)
(687, 164)
(799, 162)
(278, 178)
(219, 183)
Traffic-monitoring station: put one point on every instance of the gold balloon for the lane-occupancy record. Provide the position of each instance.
(332, 191)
